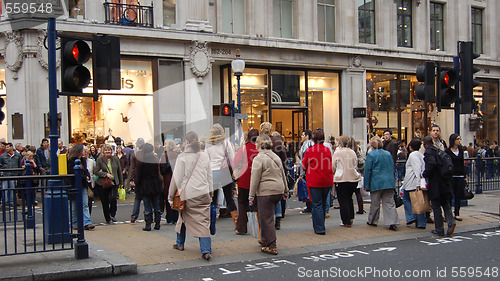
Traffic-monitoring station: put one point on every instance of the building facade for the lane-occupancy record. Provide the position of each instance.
(309, 64)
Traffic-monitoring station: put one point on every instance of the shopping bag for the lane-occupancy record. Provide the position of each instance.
(302, 191)
(397, 199)
(253, 219)
(213, 218)
(122, 194)
(419, 201)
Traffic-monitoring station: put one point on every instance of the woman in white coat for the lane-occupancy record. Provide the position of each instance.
(193, 178)
(415, 165)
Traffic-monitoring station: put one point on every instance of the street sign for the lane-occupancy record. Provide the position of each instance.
(241, 116)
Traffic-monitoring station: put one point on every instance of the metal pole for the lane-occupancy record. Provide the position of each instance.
(238, 75)
(456, 63)
(81, 246)
(30, 200)
(54, 136)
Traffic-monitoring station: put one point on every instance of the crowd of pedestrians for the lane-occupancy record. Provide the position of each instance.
(205, 175)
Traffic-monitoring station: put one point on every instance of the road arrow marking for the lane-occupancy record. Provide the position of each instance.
(388, 249)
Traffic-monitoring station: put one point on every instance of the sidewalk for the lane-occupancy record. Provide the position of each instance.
(126, 249)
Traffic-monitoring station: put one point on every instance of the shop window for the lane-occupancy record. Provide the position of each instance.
(486, 97)
(233, 16)
(168, 12)
(125, 113)
(324, 102)
(392, 104)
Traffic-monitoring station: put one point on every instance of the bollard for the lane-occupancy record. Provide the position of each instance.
(30, 200)
(479, 167)
(81, 246)
(56, 216)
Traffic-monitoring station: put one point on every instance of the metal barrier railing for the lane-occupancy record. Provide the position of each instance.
(127, 14)
(481, 173)
(27, 227)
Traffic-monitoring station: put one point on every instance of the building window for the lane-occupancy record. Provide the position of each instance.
(233, 16)
(477, 30)
(366, 21)
(283, 18)
(404, 23)
(437, 31)
(77, 8)
(326, 20)
(168, 12)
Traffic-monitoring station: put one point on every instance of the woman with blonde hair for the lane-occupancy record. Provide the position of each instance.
(379, 181)
(193, 178)
(108, 166)
(268, 185)
(346, 178)
(221, 154)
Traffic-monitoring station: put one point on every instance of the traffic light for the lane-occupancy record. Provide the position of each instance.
(447, 95)
(425, 73)
(226, 113)
(74, 76)
(467, 71)
(106, 62)
(226, 110)
(2, 114)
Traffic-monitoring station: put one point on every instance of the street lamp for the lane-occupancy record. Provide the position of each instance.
(238, 65)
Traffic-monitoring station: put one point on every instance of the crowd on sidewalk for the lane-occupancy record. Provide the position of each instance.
(206, 171)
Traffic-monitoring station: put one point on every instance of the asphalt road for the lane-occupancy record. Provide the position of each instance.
(466, 256)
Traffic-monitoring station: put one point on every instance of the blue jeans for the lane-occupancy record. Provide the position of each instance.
(410, 216)
(86, 213)
(151, 202)
(8, 196)
(205, 242)
(278, 212)
(318, 197)
(329, 201)
(137, 206)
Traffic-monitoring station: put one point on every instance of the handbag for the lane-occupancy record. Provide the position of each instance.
(107, 183)
(419, 201)
(179, 204)
(303, 191)
(397, 199)
(468, 195)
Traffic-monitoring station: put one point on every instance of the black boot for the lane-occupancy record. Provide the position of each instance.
(157, 220)
(277, 223)
(149, 219)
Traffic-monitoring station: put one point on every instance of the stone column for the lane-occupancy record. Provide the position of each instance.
(353, 96)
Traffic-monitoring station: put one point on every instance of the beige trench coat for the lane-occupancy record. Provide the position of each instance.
(198, 192)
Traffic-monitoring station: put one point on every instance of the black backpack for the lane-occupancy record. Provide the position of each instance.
(445, 164)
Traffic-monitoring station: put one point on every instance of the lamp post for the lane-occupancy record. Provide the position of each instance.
(238, 65)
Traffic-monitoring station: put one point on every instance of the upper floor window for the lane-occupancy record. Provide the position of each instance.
(168, 12)
(283, 18)
(404, 23)
(326, 20)
(366, 21)
(76, 8)
(233, 16)
(437, 31)
(477, 30)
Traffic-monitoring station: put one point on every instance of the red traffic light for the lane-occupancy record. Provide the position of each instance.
(76, 52)
(226, 110)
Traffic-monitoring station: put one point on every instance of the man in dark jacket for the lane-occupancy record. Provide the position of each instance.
(42, 157)
(440, 192)
(9, 160)
(390, 145)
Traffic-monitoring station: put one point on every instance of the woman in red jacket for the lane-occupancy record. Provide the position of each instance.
(243, 162)
(317, 163)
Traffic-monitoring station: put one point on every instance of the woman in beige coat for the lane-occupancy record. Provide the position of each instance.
(268, 184)
(193, 178)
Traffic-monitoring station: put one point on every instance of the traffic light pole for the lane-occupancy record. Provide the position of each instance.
(456, 64)
(51, 36)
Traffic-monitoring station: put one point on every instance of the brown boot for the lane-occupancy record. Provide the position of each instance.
(234, 214)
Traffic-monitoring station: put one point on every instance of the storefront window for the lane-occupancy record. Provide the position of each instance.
(125, 113)
(392, 104)
(324, 102)
(486, 97)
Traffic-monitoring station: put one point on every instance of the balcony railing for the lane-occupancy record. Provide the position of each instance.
(130, 15)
